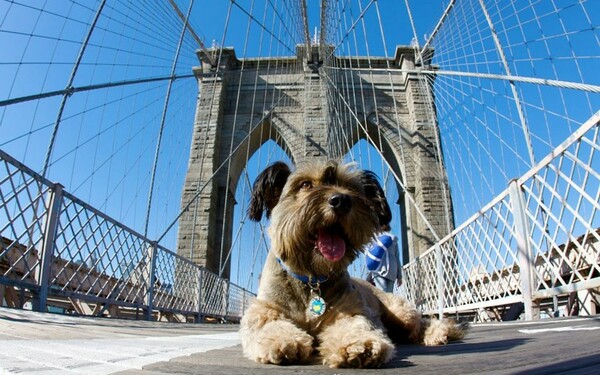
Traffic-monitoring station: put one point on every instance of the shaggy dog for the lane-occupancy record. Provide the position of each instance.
(322, 215)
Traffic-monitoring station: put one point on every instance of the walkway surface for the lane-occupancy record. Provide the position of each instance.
(35, 343)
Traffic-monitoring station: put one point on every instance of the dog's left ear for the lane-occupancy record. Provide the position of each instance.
(376, 197)
(267, 190)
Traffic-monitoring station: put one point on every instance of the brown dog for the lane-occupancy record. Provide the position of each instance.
(322, 215)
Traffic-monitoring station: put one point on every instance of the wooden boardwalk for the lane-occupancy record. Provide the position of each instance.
(35, 343)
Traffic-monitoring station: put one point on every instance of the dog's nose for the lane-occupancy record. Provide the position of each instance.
(341, 203)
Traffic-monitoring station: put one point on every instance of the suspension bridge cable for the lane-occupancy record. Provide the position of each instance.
(222, 262)
(225, 254)
(398, 180)
(517, 100)
(217, 169)
(69, 84)
(246, 185)
(164, 115)
(262, 26)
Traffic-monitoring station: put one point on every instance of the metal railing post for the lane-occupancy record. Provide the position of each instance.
(524, 256)
(199, 319)
(243, 301)
(440, 279)
(227, 296)
(47, 252)
(152, 250)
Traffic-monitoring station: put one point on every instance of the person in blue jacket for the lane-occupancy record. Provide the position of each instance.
(383, 261)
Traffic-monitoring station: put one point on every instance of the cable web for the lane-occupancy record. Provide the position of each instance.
(108, 66)
(534, 42)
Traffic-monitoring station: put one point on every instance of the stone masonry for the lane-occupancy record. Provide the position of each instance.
(244, 103)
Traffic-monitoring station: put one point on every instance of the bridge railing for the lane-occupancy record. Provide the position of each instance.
(536, 245)
(56, 250)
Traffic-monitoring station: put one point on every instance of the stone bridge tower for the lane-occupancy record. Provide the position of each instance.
(229, 122)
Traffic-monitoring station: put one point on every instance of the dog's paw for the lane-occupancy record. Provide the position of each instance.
(440, 332)
(368, 352)
(284, 349)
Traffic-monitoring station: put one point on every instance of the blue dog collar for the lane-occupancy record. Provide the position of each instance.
(310, 280)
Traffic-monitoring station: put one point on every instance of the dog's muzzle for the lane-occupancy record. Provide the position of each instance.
(340, 203)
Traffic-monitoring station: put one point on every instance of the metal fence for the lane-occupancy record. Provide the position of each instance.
(57, 252)
(536, 244)
(534, 247)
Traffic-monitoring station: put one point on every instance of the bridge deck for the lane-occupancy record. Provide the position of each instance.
(56, 344)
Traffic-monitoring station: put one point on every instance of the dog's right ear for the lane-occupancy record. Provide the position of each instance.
(376, 197)
(267, 190)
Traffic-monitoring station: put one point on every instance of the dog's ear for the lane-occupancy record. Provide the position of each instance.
(267, 190)
(376, 197)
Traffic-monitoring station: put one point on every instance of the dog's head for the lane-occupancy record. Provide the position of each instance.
(321, 215)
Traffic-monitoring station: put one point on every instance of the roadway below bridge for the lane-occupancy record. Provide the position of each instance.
(37, 343)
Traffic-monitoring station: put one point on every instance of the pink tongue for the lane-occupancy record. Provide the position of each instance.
(331, 246)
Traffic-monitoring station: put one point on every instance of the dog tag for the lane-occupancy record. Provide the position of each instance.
(317, 306)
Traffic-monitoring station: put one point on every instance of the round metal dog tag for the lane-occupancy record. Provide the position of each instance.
(317, 306)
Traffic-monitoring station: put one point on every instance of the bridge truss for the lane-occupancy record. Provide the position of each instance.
(99, 96)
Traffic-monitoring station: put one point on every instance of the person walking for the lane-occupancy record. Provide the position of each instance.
(383, 261)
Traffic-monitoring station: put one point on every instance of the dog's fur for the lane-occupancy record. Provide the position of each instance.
(326, 203)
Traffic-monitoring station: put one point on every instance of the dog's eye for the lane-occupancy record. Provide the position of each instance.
(305, 185)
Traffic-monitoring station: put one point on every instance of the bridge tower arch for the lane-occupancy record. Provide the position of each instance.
(244, 103)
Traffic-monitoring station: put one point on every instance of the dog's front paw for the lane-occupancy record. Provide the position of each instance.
(370, 351)
(286, 350)
(280, 343)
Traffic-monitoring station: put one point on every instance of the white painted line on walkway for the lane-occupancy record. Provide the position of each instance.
(103, 356)
(532, 322)
(558, 329)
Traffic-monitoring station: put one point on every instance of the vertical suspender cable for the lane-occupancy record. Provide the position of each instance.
(306, 32)
(436, 28)
(69, 87)
(513, 88)
(377, 123)
(222, 261)
(200, 184)
(66, 95)
(164, 116)
(427, 89)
